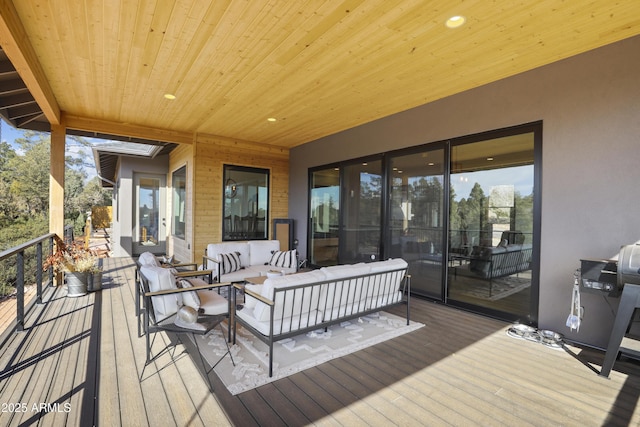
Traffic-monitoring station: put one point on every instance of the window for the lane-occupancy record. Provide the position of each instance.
(246, 203)
(179, 199)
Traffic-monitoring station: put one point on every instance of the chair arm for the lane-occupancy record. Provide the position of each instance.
(253, 294)
(217, 275)
(193, 273)
(182, 264)
(192, 288)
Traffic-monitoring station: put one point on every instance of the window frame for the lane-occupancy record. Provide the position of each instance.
(241, 213)
(176, 199)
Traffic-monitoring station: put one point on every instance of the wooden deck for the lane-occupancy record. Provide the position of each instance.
(83, 358)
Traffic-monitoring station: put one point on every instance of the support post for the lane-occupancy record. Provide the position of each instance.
(56, 180)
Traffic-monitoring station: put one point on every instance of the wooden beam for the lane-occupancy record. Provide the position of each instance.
(15, 43)
(56, 180)
(127, 129)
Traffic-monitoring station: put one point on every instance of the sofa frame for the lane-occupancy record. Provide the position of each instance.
(371, 291)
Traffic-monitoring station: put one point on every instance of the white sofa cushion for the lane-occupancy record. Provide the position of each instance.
(206, 301)
(344, 290)
(215, 249)
(292, 305)
(282, 325)
(386, 285)
(162, 279)
(249, 301)
(261, 250)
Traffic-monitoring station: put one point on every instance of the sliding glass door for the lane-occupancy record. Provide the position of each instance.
(361, 212)
(491, 224)
(324, 218)
(463, 213)
(345, 214)
(416, 218)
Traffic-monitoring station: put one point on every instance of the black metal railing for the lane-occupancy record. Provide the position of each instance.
(29, 255)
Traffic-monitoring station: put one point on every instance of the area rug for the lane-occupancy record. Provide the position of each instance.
(500, 288)
(293, 355)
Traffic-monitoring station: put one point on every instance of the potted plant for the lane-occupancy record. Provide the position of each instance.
(76, 262)
(95, 279)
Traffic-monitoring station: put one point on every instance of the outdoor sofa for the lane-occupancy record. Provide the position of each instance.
(236, 261)
(286, 306)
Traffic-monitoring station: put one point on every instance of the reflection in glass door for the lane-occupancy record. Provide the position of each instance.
(324, 217)
(491, 224)
(416, 218)
(360, 237)
(149, 228)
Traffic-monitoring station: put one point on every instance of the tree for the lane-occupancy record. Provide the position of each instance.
(30, 184)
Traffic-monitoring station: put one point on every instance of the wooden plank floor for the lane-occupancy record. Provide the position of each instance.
(83, 354)
(83, 358)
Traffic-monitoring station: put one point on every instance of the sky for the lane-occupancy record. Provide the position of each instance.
(9, 134)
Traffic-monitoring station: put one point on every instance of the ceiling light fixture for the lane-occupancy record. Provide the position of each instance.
(489, 158)
(455, 21)
(272, 119)
(169, 96)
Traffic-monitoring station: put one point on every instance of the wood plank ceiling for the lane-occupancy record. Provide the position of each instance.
(317, 66)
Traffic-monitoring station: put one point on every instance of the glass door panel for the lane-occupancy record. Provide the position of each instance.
(324, 217)
(416, 225)
(491, 224)
(361, 213)
(149, 227)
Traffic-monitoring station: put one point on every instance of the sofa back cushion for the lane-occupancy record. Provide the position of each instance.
(261, 250)
(293, 302)
(345, 287)
(385, 288)
(214, 250)
(161, 279)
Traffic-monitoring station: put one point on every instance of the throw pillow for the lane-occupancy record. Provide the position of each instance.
(229, 262)
(285, 259)
(190, 299)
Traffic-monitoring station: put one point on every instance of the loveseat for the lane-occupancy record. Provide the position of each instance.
(235, 261)
(510, 256)
(287, 306)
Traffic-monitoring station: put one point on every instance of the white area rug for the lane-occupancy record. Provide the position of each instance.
(298, 353)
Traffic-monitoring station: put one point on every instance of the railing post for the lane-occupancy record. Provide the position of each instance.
(39, 273)
(51, 267)
(20, 292)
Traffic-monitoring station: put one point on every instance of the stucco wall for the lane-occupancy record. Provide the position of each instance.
(590, 108)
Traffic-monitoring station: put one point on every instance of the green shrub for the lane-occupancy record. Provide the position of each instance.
(16, 233)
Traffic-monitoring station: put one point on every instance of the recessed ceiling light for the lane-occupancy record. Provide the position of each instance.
(272, 119)
(431, 163)
(455, 21)
(489, 158)
(169, 96)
